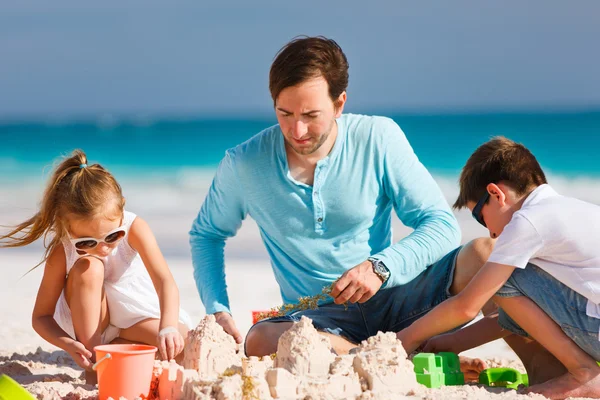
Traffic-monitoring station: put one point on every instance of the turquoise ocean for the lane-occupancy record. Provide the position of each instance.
(166, 165)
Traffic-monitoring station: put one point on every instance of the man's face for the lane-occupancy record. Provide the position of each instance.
(306, 115)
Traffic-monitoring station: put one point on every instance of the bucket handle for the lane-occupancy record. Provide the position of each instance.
(106, 357)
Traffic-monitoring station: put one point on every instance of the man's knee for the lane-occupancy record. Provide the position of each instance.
(469, 261)
(479, 250)
(262, 339)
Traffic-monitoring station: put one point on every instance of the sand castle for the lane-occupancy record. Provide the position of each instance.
(209, 350)
(305, 368)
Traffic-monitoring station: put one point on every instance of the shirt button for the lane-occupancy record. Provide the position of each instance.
(319, 219)
(316, 193)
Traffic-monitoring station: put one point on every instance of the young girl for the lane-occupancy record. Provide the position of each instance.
(105, 279)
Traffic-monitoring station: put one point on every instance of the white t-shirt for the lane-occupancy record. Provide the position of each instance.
(558, 234)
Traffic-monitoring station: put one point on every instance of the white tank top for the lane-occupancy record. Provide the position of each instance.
(130, 293)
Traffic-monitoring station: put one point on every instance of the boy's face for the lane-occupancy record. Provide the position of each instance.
(498, 210)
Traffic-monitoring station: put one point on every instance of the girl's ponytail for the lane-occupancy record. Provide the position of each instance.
(74, 188)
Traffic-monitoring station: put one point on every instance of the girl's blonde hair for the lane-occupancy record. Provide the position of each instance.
(75, 190)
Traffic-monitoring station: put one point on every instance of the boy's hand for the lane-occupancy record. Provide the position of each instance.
(471, 368)
(170, 343)
(80, 355)
(356, 285)
(408, 344)
(226, 321)
(444, 342)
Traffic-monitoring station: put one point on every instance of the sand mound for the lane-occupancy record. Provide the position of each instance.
(304, 368)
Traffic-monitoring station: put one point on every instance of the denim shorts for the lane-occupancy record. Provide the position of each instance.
(390, 310)
(564, 305)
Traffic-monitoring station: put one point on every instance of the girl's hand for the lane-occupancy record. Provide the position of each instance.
(80, 354)
(170, 343)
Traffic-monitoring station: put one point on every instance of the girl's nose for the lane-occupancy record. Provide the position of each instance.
(103, 247)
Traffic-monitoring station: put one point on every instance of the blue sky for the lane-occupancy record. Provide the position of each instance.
(69, 59)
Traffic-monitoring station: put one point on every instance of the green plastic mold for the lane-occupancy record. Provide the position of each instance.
(437, 370)
(503, 377)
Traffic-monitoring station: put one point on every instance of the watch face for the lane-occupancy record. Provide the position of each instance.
(381, 269)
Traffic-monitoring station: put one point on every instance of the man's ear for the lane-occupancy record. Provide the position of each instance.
(497, 194)
(339, 104)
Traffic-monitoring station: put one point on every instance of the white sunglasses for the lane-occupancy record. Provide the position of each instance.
(88, 243)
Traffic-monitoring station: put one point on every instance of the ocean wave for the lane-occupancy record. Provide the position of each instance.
(171, 201)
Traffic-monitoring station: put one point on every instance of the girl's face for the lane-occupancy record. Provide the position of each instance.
(103, 234)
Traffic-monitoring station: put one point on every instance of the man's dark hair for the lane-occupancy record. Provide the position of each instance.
(499, 160)
(305, 58)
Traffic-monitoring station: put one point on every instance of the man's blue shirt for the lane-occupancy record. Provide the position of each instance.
(313, 234)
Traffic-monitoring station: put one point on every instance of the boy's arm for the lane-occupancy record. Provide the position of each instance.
(483, 331)
(459, 309)
(421, 205)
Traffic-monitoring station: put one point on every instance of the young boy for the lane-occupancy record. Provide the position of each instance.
(544, 272)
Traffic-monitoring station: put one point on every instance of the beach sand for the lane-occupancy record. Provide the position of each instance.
(49, 372)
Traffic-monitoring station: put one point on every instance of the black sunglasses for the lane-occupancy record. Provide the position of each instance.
(477, 209)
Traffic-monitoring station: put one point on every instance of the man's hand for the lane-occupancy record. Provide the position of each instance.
(226, 321)
(357, 285)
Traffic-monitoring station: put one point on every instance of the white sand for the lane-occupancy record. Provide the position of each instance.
(50, 373)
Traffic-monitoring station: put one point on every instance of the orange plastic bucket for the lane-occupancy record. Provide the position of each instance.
(259, 315)
(124, 370)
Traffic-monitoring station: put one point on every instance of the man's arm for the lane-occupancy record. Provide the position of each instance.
(420, 204)
(219, 218)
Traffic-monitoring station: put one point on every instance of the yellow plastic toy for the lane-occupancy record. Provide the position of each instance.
(11, 390)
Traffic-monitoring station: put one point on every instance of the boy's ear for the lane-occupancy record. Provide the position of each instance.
(497, 194)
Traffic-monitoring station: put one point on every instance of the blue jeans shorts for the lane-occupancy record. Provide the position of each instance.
(565, 306)
(391, 309)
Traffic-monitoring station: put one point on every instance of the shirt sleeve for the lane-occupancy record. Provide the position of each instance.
(220, 217)
(518, 243)
(420, 204)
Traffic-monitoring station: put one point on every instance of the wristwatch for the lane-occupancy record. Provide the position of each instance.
(380, 269)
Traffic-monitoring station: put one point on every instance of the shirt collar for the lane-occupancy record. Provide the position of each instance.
(540, 193)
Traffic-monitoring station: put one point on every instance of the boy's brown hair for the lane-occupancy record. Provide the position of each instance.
(499, 160)
(305, 58)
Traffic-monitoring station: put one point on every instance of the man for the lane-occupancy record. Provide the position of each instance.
(321, 186)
